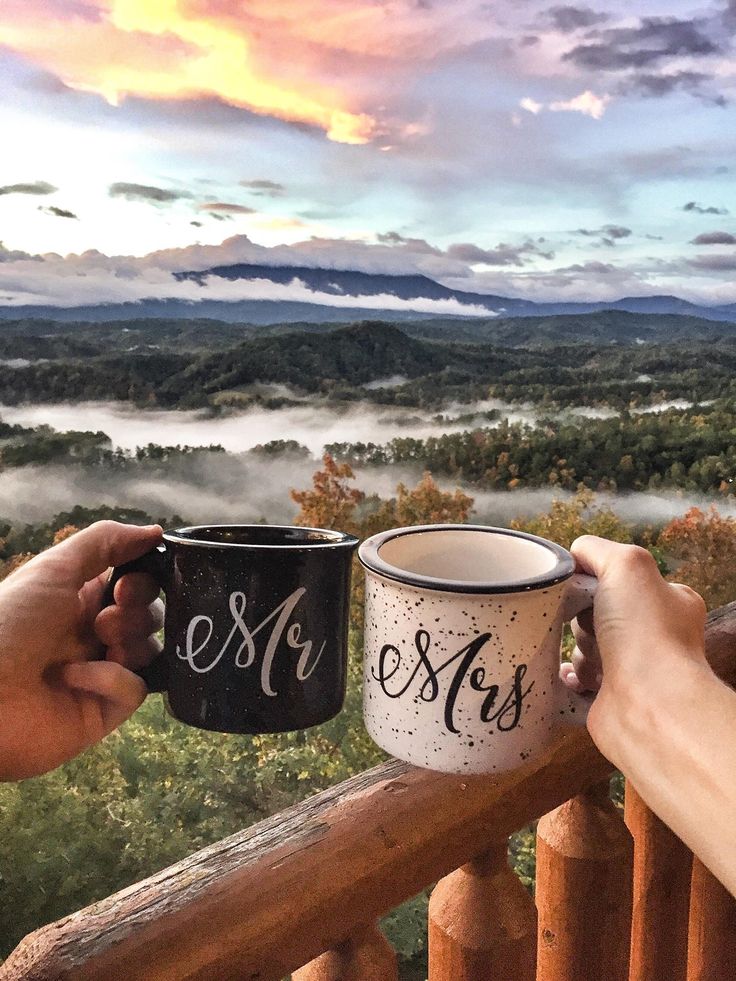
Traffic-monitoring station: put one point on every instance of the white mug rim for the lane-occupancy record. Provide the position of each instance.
(370, 558)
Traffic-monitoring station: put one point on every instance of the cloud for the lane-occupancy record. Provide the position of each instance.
(607, 234)
(13, 255)
(189, 50)
(264, 188)
(701, 209)
(567, 19)
(145, 192)
(94, 278)
(714, 238)
(599, 268)
(719, 262)
(587, 103)
(59, 212)
(654, 86)
(36, 187)
(531, 105)
(502, 255)
(652, 41)
(226, 208)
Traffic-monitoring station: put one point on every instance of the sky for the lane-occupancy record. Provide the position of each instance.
(533, 149)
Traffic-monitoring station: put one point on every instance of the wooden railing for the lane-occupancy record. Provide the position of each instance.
(307, 886)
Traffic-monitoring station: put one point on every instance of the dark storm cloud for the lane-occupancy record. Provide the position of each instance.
(714, 238)
(701, 209)
(146, 192)
(655, 39)
(262, 188)
(35, 187)
(718, 263)
(568, 18)
(502, 255)
(59, 212)
(607, 234)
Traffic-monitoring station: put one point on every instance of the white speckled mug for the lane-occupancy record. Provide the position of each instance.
(463, 625)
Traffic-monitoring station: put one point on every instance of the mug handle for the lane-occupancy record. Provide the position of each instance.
(580, 595)
(154, 674)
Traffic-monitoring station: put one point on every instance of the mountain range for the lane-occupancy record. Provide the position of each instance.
(413, 290)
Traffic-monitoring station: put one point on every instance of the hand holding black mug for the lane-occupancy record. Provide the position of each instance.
(255, 627)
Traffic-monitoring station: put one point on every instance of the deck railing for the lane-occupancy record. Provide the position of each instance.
(615, 900)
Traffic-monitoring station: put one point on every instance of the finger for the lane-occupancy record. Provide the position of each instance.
(597, 556)
(569, 678)
(91, 551)
(118, 625)
(136, 589)
(584, 634)
(135, 654)
(120, 692)
(588, 669)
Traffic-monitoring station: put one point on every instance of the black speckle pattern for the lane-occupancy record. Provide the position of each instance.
(495, 663)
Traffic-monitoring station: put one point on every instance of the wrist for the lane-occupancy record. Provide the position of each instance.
(635, 714)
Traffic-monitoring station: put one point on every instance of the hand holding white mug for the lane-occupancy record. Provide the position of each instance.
(661, 715)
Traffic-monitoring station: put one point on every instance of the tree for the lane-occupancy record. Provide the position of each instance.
(567, 520)
(702, 546)
(332, 502)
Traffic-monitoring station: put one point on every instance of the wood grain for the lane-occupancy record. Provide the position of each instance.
(482, 924)
(662, 870)
(584, 860)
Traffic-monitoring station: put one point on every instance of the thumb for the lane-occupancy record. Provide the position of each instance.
(92, 551)
(119, 692)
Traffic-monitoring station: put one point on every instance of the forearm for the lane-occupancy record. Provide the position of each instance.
(676, 742)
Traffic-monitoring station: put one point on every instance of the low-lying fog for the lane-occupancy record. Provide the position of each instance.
(228, 487)
(215, 487)
(312, 424)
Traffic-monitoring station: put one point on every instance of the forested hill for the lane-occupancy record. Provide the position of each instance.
(603, 327)
(356, 354)
(170, 364)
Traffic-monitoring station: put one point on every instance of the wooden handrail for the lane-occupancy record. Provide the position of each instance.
(265, 901)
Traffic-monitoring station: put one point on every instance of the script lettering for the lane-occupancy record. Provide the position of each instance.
(202, 658)
(423, 679)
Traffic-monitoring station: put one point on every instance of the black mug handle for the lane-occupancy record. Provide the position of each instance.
(154, 674)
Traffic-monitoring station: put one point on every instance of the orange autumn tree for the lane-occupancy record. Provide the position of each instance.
(332, 502)
(701, 551)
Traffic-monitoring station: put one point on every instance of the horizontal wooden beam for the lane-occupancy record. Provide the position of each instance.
(261, 903)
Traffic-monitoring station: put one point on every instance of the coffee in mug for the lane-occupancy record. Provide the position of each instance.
(463, 627)
(256, 625)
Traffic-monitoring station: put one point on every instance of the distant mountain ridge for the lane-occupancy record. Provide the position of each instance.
(353, 284)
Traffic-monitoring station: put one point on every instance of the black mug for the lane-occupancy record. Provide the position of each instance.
(256, 625)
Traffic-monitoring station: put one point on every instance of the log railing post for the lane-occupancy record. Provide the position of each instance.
(662, 868)
(365, 956)
(482, 923)
(584, 858)
(712, 934)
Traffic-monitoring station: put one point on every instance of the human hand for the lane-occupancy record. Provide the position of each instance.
(56, 698)
(642, 635)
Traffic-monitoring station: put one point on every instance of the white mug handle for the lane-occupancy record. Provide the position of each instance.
(579, 596)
